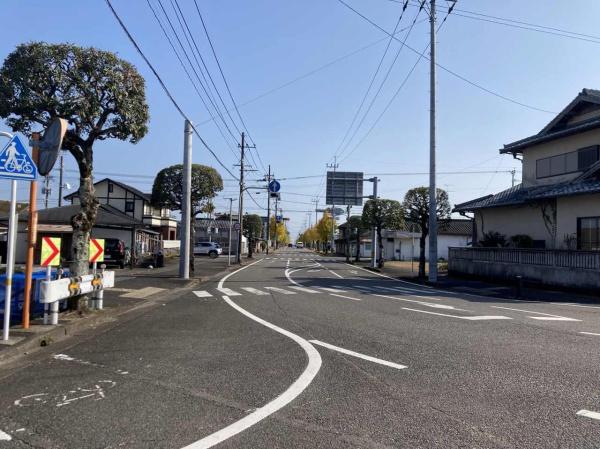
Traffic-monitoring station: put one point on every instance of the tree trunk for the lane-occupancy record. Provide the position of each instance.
(250, 244)
(82, 223)
(357, 259)
(380, 245)
(422, 255)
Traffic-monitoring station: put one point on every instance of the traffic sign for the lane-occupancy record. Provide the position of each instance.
(279, 218)
(274, 186)
(96, 250)
(15, 162)
(50, 252)
(236, 226)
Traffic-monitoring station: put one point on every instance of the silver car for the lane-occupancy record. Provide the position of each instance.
(210, 249)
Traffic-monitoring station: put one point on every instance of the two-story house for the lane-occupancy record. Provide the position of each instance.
(134, 203)
(558, 202)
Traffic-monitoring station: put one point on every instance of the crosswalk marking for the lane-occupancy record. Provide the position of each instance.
(228, 291)
(303, 289)
(255, 291)
(280, 290)
(202, 294)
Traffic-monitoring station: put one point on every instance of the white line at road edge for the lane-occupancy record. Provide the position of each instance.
(359, 355)
(588, 414)
(312, 368)
(5, 436)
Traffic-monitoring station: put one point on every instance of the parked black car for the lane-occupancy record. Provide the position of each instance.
(114, 252)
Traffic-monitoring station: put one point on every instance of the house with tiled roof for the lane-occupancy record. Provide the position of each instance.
(558, 202)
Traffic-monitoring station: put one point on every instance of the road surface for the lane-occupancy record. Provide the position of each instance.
(303, 351)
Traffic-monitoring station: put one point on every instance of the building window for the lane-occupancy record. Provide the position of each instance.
(563, 164)
(110, 187)
(129, 206)
(588, 233)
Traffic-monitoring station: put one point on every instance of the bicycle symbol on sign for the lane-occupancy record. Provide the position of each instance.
(13, 163)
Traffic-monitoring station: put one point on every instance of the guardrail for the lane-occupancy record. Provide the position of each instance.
(559, 258)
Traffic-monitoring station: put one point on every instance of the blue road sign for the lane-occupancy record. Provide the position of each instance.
(274, 186)
(15, 162)
(279, 218)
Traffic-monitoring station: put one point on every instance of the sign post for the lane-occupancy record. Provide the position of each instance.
(15, 164)
(96, 254)
(50, 256)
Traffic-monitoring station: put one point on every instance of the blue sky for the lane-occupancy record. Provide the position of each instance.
(265, 44)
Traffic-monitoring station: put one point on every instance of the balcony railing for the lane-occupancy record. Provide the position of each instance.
(585, 260)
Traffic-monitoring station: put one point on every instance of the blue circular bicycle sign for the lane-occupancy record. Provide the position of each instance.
(274, 186)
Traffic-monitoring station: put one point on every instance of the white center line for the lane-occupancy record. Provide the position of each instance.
(358, 354)
(590, 333)
(589, 414)
(470, 318)
(346, 297)
(545, 317)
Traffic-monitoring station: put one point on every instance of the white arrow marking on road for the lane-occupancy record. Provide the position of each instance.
(545, 317)
(5, 436)
(470, 318)
(589, 414)
(228, 291)
(359, 355)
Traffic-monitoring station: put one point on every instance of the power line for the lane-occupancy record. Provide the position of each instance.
(164, 87)
(455, 74)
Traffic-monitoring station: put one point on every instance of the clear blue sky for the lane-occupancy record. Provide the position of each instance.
(264, 44)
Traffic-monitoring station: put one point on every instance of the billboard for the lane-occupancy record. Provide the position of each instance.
(344, 188)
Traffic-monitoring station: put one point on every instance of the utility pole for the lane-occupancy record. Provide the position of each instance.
(276, 223)
(268, 178)
(433, 250)
(243, 145)
(348, 234)
(60, 179)
(46, 191)
(374, 230)
(186, 207)
(230, 227)
(335, 165)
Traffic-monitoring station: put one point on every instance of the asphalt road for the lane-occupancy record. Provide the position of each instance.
(303, 351)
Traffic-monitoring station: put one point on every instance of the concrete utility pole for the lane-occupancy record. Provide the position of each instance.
(241, 202)
(268, 177)
(374, 231)
(348, 234)
(230, 228)
(433, 251)
(335, 165)
(186, 206)
(276, 223)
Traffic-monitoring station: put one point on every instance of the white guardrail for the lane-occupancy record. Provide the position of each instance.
(53, 291)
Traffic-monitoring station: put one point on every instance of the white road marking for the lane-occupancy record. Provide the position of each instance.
(312, 368)
(545, 317)
(390, 277)
(5, 436)
(427, 304)
(573, 305)
(589, 414)
(332, 290)
(346, 297)
(590, 333)
(470, 318)
(280, 290)
(334, 273)
(228, 291)
(255, 291)
(202, 294)
(359, 355)
(143, 292)
(314, 271)
(303, 289)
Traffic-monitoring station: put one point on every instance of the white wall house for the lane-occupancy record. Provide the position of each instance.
(558, 202)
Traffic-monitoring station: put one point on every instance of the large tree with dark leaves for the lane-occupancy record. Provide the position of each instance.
(100, 96)
(167, 191)
(382, 214)
(416, 206)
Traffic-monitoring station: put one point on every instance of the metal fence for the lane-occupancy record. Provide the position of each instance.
(586, 260)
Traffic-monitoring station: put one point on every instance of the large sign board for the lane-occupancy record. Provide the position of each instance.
(344, 188)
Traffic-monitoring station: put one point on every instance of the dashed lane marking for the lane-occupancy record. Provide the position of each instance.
(544, 317)
(302, 289)
(469, 318)
(228, 291)
(202, 294)
(359, 355)
(590, 333)
(255, 291)
(280, 290)
(345, 297)
(589, 414)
